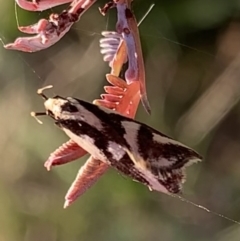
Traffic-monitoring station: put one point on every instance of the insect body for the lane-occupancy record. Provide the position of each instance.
(133, 148)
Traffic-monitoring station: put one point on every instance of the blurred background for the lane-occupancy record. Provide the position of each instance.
(191, 50)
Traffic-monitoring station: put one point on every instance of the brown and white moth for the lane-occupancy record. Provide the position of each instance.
(133, 148)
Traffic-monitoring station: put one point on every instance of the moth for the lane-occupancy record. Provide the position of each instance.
(133, 148)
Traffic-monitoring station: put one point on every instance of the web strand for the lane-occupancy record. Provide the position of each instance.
(205, 209)
(146, 14)
(16, 14)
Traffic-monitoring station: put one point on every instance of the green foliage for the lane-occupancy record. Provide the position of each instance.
(187, 45)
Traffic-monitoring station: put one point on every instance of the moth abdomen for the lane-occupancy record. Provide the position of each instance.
(126, 167)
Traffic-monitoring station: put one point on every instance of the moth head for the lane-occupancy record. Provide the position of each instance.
(57, 107)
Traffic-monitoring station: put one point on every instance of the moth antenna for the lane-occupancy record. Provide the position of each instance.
(205, 209)
(35, 114)
(40, 91)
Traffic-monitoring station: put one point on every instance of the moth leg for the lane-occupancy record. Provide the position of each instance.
(68, 152)
(88, 174)
(126, 97)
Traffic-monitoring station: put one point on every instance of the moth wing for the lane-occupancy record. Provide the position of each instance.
(159, 158)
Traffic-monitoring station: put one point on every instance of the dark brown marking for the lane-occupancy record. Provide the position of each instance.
(126, 31)
(128, 13)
